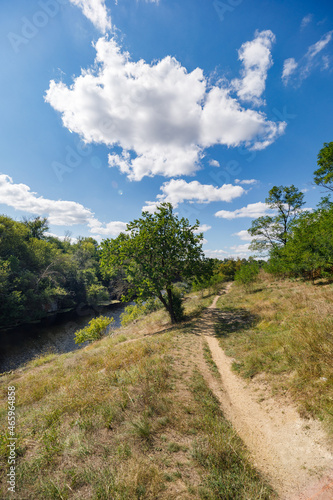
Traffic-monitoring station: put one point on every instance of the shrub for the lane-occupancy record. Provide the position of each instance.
(94, 330)
(247, 274)
(136, 311)
(97, 293)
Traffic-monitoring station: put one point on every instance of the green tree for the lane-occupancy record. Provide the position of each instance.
(309, 252)
(156, 251)
(272, 231)
(323, 176)
(36, 227)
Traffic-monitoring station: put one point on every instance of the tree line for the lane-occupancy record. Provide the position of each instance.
(41, 274)
(154, 261)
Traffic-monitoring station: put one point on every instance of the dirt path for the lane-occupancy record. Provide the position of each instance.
(292, 452)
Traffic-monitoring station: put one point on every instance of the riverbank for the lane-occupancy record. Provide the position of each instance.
(26, 342)
(127, 417)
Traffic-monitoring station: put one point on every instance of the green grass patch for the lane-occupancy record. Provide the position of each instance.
(285, 330)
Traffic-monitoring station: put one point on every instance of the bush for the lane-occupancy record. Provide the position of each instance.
(136, 311)
(247, 274)
(94, 330)
(97, 293)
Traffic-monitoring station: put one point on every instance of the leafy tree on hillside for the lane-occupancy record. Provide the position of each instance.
(36, 227)
(323, 176)
(272, 231)
(309, 252)
(156, 251)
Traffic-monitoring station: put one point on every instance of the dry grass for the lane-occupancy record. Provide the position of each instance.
(284, 329)
(126, 418)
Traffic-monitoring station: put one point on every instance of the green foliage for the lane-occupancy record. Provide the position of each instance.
(156, 251)
(136, 311)
(304, 248)
(36, 227)
(94, 330)
(228, 268)
(272, 231)
(309, 251)
(41, 274)
(96, 293)
(323, 176)
(247, 274)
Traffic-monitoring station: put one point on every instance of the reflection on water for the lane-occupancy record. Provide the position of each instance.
(21, 344)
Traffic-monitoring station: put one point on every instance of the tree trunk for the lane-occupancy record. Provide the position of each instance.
(168, 306)
(171, 311)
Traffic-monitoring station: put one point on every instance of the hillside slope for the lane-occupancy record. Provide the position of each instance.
(129, 417)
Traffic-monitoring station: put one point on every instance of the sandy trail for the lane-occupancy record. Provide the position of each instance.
(292, 452)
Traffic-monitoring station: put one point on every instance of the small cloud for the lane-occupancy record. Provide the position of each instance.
(244, 235)
(151, 206)
(295, 72)
(256, 59)
(306, 20)
(240, 249)
(215, 254)
(96, 12)
(177, 191)
(246, 181)
(326, 62)
(289, 67)
(214, 163)
(203, 228)
(253, 210)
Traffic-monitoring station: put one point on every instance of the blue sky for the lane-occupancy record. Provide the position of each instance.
(108, 107)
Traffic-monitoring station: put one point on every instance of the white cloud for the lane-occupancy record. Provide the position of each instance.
(112, 228)
(244, 235)
(317, 47)
(215, 254)
(150, 206)
(253, 210)
(177, 191)
(246, 181)
(58, 212)
(295, 72)
(203, 228)
(96, 12)
(240, 249)
(235, 251)
(256, 59)
(326, 62)
(159, 115)
(214, 163)
(306, 20)
(289, 67)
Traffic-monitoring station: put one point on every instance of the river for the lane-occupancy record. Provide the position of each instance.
(24, 343)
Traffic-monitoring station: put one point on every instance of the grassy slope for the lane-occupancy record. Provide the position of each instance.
(126, 420)
(284, 329)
